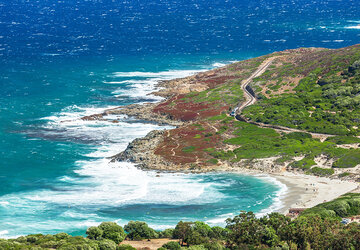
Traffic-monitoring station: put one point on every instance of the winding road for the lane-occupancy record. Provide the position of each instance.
(250, 99)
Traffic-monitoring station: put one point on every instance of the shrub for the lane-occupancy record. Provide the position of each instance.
(112, 231)
(107, 245)
(94, 233)
(138, 230)
(348, 160)
(343, 139)
(61, 236)
(344, 174)
(213, 161)
(305, 163)
(298, 136)
(322, 171)
(172, 245)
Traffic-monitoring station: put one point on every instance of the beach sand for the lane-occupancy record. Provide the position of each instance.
(305, 191)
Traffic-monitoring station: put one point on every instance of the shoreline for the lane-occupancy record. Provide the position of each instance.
(303, 191)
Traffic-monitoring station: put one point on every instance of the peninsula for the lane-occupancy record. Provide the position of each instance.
(292, 114)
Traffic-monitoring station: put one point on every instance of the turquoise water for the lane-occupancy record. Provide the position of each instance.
(56, 175)
(54, 169)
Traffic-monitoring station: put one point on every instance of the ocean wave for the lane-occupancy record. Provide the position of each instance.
(171, 74)
(357, 27)
(277, 203)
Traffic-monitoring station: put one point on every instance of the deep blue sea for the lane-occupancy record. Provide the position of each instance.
(61, 60)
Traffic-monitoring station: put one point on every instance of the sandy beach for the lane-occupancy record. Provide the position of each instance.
(305, 191)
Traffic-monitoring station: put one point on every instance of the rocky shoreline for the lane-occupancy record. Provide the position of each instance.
(141, 151)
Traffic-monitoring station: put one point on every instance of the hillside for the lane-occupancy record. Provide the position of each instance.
(305, 117)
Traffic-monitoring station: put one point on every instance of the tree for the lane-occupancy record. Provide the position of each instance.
(246, 229)
(277, 221)
(167, 233)
(138, 230)
(112, 231)
(218, 233)
(182, 231)
(94, 233)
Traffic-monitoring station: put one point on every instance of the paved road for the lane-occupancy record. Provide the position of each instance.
(250, 99)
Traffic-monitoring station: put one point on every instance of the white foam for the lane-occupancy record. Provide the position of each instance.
(171, 74)
(277, 204)
(140, 89)
(4, 203)
(357, 27)
(97, 183)
(3, 233)
(218, 65)
(220, 219)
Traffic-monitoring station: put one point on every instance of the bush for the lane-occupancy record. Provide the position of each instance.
(167, 233)
(94, 233)
(348, 160)
(61, 236)
(298, 136)
(172, 245)
(107, 245)
(305, 163)
(112, 231)
(138, 230)
(343, 139)
(321, 171)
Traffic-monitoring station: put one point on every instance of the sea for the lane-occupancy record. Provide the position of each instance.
(61, 60)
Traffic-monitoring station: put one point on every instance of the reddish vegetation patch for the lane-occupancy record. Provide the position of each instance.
(212, 82)
(186, 144)
(186, 111)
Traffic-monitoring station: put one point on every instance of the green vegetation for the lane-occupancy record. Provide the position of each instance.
(343, 140)
(138, 230)
(316, 228)
(326, 99)
(349, 159)
(344, 206)
(321, 171)
(305, 163)
(213, 161)
(256, 142)
(107, 230)
(188, 149)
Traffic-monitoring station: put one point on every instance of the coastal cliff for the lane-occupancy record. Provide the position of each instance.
(303, 117)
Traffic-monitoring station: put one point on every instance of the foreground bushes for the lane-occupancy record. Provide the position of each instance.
(316, 228)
